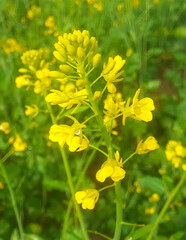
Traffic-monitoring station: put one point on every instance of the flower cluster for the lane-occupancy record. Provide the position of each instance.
(33, 12)
(11, 45)
(175, 153)
(77, 56)
(51, 27)
(36, 71)
(97, 4)
(18, 144)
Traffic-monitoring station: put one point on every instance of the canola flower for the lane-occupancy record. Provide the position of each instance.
(51, 28)
(150, 210)
(36, 72)
(139, 109)
(112, 168)
(112, 71)
(175, 152)
(154, 198)
(97, 4)
(71, 135)
(18, 144)
(150, 144)
(5, 127)
(11, 45)
(33, 12)
(32, 111)
(88, 198)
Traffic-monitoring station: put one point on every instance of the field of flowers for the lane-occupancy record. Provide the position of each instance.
(92, 120)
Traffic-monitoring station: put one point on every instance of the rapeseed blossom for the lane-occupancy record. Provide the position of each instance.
(175, 152)
(150, 144)
(31, 111)
(33, 12)
(154, 198)
(5, 127)
(139, 109)
(36, 71)
(11, 45)
(18, 144)
(71, 135)
(111, 168)
(88, 198)
(112, 71)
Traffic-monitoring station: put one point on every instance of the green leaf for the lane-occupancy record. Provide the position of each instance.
(141, 232)
(15, 235)
(153, 183)
(32, 237)
(50, 184)
(180, 32)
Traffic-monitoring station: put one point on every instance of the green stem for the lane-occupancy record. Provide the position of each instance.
(7, 156)
(166, 205)
(69, 177)
(109, 186)
(98, 149)
(129, 158)
(99, 234)
(18, 218)
(80, 178)
(108, 143)
(133, 224)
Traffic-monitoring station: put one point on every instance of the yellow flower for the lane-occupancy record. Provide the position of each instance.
(150, 210)
(154, 198)
(129, 52)
(156, 2)
(111, 168)
(5, 127)
(18, 144)
(32, 110)
(184, 167)
(88, 198)
(149, 145)
(135, 3)
(111, 72)
(1, 185)
(120, 7)
(22, 81)
(34, 11)
(67, 98)
(11, 45)
(71, 135)
(175, 152)
(140, 109)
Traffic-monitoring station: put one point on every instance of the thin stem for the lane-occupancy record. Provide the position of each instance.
(80, 178)
(108, 143)
(69, 177)
(7, 155)
(128, 158)
(59, 115)
(166, 205)
(89, 118)
(100, 234)
(132, 224)
(90, 71)
(98, 149)
(95, 80)
(109, 186)
(14, 205)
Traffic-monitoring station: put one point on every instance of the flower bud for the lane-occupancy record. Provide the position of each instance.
(97, 95)
(80, 53)
(96, 60)
(58, 56)
(66, 69)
